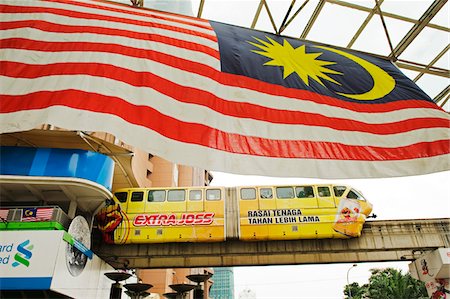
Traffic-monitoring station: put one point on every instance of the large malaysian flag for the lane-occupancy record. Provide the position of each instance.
(213, 95)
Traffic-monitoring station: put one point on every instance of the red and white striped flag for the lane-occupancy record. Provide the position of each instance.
(212, 95)
(36, 214)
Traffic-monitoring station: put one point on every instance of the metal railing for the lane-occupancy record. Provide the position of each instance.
(16, 214)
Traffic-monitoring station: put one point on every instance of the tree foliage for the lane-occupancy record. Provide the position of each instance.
(387, 283)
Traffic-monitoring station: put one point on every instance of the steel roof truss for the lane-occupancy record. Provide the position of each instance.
(387, 14)
(284, 25)
(364, 24)
(313, 19)
(257, 13)
(439, 56)
(418, 27)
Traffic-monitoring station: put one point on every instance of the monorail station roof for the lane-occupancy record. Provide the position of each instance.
(17, 190)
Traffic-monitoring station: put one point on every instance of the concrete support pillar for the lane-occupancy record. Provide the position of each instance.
(72, 209)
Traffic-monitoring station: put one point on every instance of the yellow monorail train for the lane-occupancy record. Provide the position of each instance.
(210, 214)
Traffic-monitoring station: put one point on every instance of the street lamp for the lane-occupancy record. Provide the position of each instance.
(348, 282)
(116, 288)
(199, 293)
(137, 290)
(182, 289)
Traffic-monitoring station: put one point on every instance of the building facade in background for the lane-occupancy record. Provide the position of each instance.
(162, 279)
(223, 287)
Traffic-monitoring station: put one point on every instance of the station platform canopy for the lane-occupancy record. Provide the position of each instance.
(19, 190)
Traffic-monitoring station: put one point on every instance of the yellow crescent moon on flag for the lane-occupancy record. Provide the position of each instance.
(383, 83)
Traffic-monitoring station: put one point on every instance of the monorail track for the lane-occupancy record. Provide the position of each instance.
(381, 240)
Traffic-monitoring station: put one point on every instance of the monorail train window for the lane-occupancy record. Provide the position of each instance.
(213, 194)
(176, 195)
(266, 193)
(248, 193)
(324, 191)
(137, 196)
(339, 190)
(121, 196)
(156, 195)
(195, 195)
(353, 194)
(304, 192)
(285, 192)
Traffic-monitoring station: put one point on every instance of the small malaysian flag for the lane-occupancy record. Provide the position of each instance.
(37, 214)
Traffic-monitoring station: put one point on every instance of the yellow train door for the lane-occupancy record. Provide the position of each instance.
(176, 201)
(284, 197)
(247, 201)
(325, 198)
(195, 201)
(156, 199)
(306, 197)
(121, 198)
(214, 206)
(136, 202)
(214, 202)
(253, 221)
(266, 198)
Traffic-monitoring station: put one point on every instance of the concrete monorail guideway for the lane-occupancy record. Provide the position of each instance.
(382, 240)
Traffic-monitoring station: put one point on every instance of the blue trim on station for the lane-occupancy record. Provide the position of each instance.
(25, 283)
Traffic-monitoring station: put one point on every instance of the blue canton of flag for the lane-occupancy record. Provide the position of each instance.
(29, 213)
(342, 74)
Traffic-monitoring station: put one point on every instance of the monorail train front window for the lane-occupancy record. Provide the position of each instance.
(248, 193)
(285, 192)
(121, 196)
(213, 194)
(137, 196)
(353, 194)
(195, 195)
(176, 195)
(304, 191)
(156, 195)
(339, 190)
